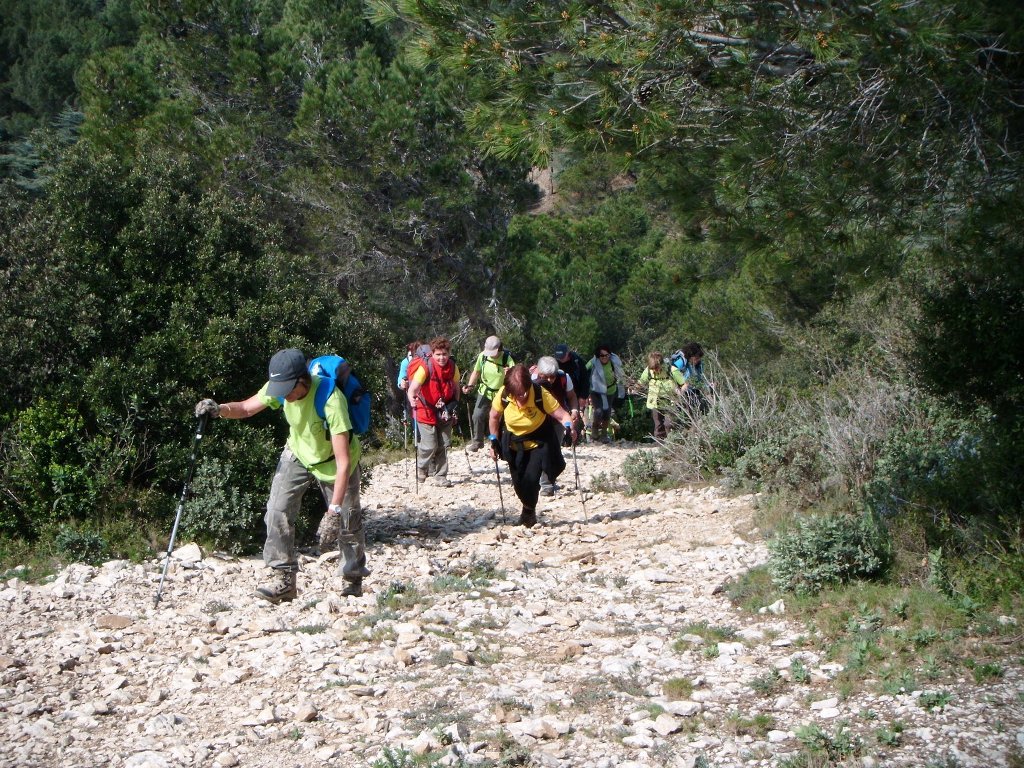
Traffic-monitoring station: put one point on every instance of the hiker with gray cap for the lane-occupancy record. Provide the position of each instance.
(319, 451)
(487, 376)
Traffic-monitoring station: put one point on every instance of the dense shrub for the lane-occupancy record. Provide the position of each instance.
(641, 471)
(80, 546)
(818, 552)
(787, 461)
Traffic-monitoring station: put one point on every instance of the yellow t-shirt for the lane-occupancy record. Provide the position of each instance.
(522, 420)
(420, 375)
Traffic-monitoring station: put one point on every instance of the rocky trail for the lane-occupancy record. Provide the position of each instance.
(575, 644)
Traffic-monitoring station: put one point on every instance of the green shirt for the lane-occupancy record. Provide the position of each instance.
(306, 435)
(661, 386)
(492, 372)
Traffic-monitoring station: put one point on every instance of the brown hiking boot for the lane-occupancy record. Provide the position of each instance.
(279, 588)
(353, 588)
(528, 517)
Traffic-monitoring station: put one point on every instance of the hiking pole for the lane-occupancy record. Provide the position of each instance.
(576, 469)
(405, 436)
(416, 453)
(181, 502)
(465, 447)
(501, 496)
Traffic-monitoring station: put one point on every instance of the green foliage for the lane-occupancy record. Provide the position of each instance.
(787, 461)
(641, 471)
(823, 551)
(78, 546)
(222, 513)
(836, 746)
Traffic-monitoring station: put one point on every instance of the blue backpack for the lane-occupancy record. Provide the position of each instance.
(678, 359)
(335, 371)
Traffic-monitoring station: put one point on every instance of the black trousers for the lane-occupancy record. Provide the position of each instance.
(525, 468)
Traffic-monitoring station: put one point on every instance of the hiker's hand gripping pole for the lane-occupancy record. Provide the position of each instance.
(200, 428)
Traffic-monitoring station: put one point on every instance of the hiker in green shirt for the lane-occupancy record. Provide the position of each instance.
(319, 451)
(487, 377)
(663, 386)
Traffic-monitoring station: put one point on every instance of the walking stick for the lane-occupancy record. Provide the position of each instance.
(416, 452)
(576, 469)
(405, 435)
(200, 427)
(501, 496)
(465, 448)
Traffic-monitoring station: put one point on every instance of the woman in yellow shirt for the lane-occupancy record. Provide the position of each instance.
(528, 440)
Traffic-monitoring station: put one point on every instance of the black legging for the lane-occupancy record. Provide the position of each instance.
(525, 467)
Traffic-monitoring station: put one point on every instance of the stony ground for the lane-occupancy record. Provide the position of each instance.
(572, 644)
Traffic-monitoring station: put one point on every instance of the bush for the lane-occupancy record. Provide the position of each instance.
(641, 471)
(789, 461)
(80, 546)
(218, 512)
(740, 417)
(829, 550)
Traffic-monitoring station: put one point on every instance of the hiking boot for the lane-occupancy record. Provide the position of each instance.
(352, 588)
(441, 481)
(547, 490)
(279, 588)
(528, 517)
(474, 447)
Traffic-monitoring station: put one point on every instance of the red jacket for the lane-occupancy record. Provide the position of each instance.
(440, 385)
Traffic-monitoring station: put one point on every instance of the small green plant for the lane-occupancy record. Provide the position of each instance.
(295, 734)
(641, 472)
(311, 629)
(924, 637)
(711, 651)
(836, 746)
(897, 680)
(510, 752)
(677, 688)
(987, 672)
(603, 482)
(891, 736)
(216, 606)
(393, 758)
(629, 683)
(756, 725)
(766, 684)
(398, 596)
(934, 699)
(443, 658)
(799, 672)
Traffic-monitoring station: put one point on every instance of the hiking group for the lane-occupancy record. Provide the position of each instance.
(525, 415)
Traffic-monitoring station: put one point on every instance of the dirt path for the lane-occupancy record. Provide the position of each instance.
(579, 643)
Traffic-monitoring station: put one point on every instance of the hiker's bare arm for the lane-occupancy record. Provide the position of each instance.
(574, 405)
(341, 460)
(242, 409)
(413, 392)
